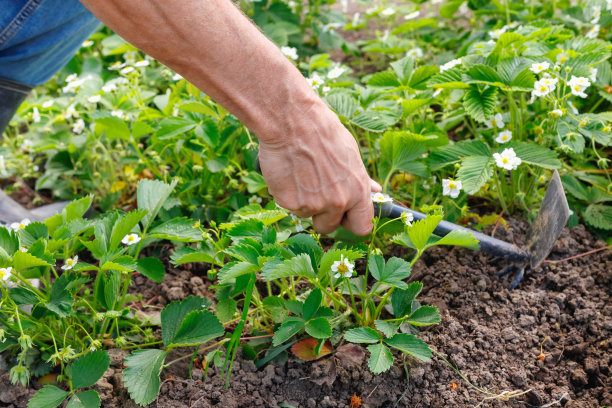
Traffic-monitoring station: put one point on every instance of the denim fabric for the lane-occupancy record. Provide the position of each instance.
(38, 37)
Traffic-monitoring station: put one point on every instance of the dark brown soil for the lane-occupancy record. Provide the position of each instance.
(492, 334)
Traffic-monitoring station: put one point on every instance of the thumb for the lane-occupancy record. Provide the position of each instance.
(376, 188)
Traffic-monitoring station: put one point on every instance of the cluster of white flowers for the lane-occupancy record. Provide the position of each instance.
(297, 223)
(6, 273)
(507, 159)
(578, 85)
(343, 267)
(450, 64)
(290, 52)
(497, 122)
(415, 52)
(451, 187)
(78, 126)
(73, 82)
(543, 87)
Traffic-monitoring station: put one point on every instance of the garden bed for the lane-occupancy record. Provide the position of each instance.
(492, 334)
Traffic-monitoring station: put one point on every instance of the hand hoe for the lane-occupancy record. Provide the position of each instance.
(543, 232)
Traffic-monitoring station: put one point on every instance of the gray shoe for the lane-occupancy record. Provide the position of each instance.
(12, 94)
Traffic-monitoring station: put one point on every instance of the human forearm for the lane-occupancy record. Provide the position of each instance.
(220, 51)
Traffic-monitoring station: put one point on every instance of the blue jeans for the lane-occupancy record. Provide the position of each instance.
(38, 37)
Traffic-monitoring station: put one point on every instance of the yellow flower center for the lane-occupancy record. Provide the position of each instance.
(542, 89)
(131, 238)
(562, 59)
(451, 185)
(493, 122)
(342, 268)
(504, 137)
(577, 88)
(2, 273)
(504, 160)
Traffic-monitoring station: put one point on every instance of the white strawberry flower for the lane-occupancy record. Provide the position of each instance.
(116, 66)
(315, 80)
(35, 115)
(609, 5)
(27, 145)
(407, 218)
(131, 239)
(335, 72)
(544, 86)
(437, 92)
(70, 263)
(70, 112)
(388, 12)
(2, 165)
(289, 52)
(596, 14)
(126, 70)
(109, 88)
(48, 104)
(450, 64)
(562, 58)
(87, 43)
(6, 273)
(556, 113)
(381, 198)
(573, 108)
(507, 159)
(94, 99)
(539, 67)
(593, 76)
(118, 113)
(578, 85)
(412, 15)
(593, 32)
(451, 188)
(20, 225)
(495, 34)
(504, 137)
(142, 63)
(78, 126)
(343, 267)
(496, 121)
(297, 223)
(255, 199)
(415, 52)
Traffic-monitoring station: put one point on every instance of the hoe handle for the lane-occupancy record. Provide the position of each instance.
(488, 244)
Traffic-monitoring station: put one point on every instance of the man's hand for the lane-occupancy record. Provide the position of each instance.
(309, 160)
(317, 172)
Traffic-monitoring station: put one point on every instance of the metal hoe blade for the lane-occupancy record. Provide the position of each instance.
(547, 226)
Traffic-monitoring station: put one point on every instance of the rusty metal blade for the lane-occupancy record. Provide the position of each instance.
(547, 226)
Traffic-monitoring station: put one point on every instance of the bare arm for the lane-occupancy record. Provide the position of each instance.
(310, 162)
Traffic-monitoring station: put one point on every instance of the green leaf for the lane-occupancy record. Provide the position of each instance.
(87, 370)
(174, 126)
(536, 155)
(410, 344)
(33, 232)
(25, 260)
(111, 288)
(420, 76)
(297, 266)
(186, 255)
(484, 74)
(474, 172)
(112, 127)
(233, 270)
(403, 68)
(397, 150)
(401, 300)
(172, 316)
(412, 105)
(76, 209)
(60, 300)
(459, 238)
(420, 231)
(453, 153)
(123, 226)
(392, 273)
(319, 328)
(23, 296)
(226, 309)
(449, 9)
(599, 216)
(85, 399)
(362, 335)
(383, 79)
(178, 229)
(381, 358)
(376, 121)
(344, 104)
(290, 327)
(311, 304)
(151, 195)
(141, 375)
(48, 397)
(480, 104)
(152, 268)
(198, 327)
(387, 328)
(424, 316)
(449, 79)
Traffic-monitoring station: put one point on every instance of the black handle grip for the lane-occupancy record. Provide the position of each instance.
(488, 244)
